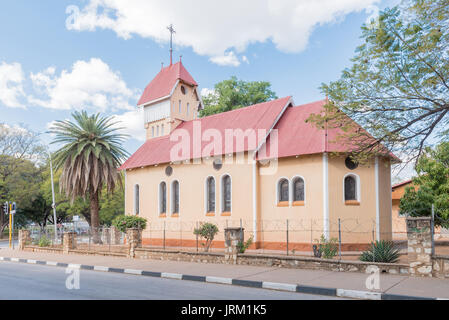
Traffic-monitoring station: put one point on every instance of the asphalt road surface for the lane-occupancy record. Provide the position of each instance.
(25, 282)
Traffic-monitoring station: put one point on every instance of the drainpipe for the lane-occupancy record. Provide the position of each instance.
(255, 173)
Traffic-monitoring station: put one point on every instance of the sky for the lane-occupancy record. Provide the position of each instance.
(57, 57)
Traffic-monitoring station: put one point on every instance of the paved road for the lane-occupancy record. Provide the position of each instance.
(22, 281)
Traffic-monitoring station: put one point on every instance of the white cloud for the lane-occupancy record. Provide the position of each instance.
(228, 59)
(213, 28)
(132, 124)
(11, 88)
(88, 85)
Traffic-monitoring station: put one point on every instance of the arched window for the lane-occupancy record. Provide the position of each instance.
(351, 188)
(283, 191)
(175, 197)
(136, 199)
(298, 189)
(163, 198)
(210, 194)
(226, 188)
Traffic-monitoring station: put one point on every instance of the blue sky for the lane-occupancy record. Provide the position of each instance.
(101, 60)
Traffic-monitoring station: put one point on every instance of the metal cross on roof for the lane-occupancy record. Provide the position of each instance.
(172, 32)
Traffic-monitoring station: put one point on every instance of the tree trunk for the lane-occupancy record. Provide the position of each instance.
(94, 217)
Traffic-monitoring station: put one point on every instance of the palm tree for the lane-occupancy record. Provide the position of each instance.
(89, 158)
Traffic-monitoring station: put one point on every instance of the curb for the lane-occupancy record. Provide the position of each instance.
(331, 292)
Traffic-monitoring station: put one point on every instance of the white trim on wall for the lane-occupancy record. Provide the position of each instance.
(376, 183)
(326, 195)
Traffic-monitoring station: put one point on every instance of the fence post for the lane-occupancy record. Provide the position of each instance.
(287, 237)
(432, 230)
(339, 238)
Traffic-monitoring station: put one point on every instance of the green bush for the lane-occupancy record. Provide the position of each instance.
(44, 241)
(381, 251)
(208, 231)
(328, 248)
(129, 222)
(243, 246)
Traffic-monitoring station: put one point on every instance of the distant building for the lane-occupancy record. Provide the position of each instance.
(263, 165)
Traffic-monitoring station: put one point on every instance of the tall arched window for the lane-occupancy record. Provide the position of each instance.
(226, 188)
(163, 198)
(283, 191)
(298, 189)
(136, 199)
(175, 197)
(351, 188)
(210, 194)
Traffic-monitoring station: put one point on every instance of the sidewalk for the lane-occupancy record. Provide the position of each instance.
(390, 285)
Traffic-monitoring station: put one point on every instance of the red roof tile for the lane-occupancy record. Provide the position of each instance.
(298, 137)
(257, 117)
(164, 82)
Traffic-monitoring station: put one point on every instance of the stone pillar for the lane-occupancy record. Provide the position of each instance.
(419, 246)
(115, 235)
(232, 238)
(68, 242)
(134, 240)
(24, 238)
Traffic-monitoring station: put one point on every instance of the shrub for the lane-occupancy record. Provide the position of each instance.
(208, 231)
(128, 222)
(381, 251)
(44, 241)
(327, 248)
(243, 246)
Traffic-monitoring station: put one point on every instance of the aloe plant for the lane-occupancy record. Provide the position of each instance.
(381, 251)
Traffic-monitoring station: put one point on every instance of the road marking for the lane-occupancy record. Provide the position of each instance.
(359, 294)
(279, 286)
(176, 276)
(100, 268)
(132, 271)
(219, 280)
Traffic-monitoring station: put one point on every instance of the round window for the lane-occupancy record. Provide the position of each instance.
(351, 164)
(218, 164)
(169, 171)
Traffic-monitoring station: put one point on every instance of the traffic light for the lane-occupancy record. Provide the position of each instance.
(5, 208)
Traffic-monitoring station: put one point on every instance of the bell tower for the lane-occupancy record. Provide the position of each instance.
(170, 98)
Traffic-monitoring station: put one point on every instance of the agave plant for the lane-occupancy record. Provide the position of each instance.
(89, 157)
(381, 251)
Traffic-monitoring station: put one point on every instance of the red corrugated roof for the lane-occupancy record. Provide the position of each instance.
(164, 82)
(298, 137)
(295, 135)
(257, 117)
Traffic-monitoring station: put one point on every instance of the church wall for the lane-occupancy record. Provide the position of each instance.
(301, 218)
(192, 180)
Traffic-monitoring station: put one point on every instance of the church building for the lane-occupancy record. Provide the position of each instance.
(262, 167)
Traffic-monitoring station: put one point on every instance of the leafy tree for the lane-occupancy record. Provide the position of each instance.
(432, 186)
(234, 94)
(208, 231)
(398, 85)
(91, 153)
